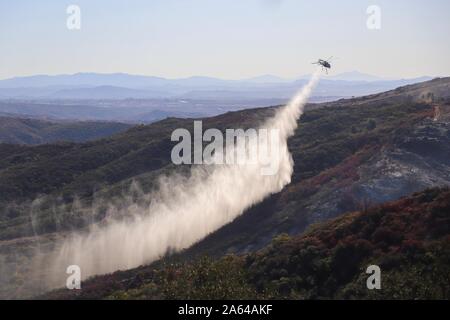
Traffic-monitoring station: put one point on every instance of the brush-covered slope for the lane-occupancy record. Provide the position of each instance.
(34, 131)
(409, 239)
(347, 154)
(39, 180)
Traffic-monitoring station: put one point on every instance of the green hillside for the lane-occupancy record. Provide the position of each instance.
(408, 239)
(334, 149)
(348, 155)
(34, 131)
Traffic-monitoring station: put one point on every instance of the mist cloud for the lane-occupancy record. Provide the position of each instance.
(183, 210)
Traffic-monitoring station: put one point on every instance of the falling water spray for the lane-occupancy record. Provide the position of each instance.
(183, 210)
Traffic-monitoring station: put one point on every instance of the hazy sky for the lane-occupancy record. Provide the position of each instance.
(229, 39)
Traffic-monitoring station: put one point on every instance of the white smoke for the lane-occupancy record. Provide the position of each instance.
(183, 210)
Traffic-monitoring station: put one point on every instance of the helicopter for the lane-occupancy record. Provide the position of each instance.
(324, 63)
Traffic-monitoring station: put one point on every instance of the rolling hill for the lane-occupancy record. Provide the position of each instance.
(349, 155)
(409, 239)
(35, 131)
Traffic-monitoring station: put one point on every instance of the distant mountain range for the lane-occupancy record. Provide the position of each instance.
(123, 86)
